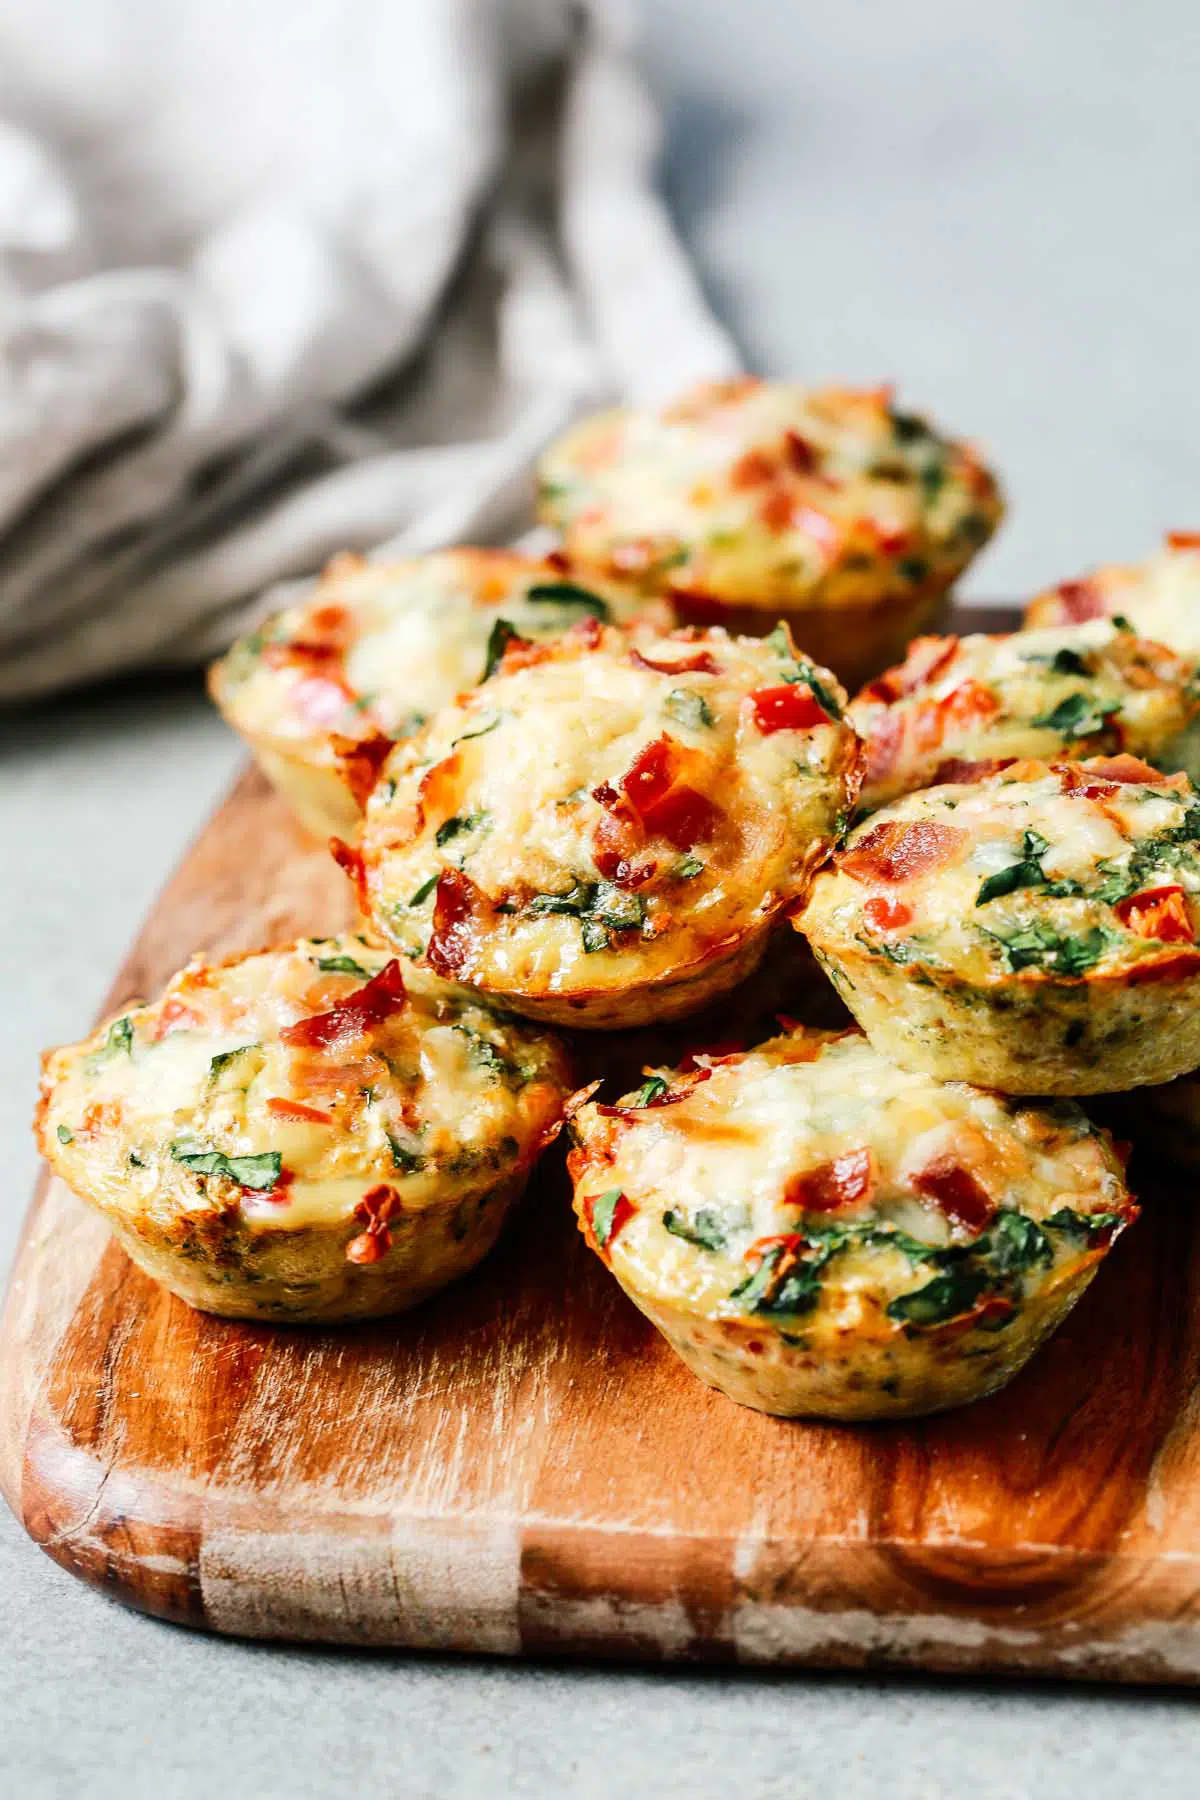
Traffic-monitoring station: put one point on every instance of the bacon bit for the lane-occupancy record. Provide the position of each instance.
(899, 851)
(557, 559)
(968, 703)
(791, 707)
(296, 1112)
(334, 621)
(926, 659)
(987, 1312)
(1080, 601)
(100, 1115)
(580, 1098)
(957, 1192)
(366, 1009)
(1183, 540)
(360, 760)
(176, 1015)
(664, 805)
(1181, 966)
(587, 632)
(616, 839)
(377, 1206)
(458, 903)
(883, 914)
(831, 1186)
(699, 663)
(751, 470)
(891, 542)
(1103, 776)
(800, 453)
(958, 769)
(351, 863)
(1160, 913)
(1126, 768)
(724, 1050)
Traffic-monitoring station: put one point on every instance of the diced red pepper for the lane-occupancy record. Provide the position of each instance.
(1160, 912)
(899, 851)
(957, 1193)
(883, 914)
(843, 1182)
(969, 703)
(365, 1010)
(791, 707)
(751, 470)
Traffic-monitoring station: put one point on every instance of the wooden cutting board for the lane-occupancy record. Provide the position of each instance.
(522, 1466)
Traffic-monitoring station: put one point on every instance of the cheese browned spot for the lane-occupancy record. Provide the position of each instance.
(1032, 928)
(304, 1132)
(600, 829)
(818, 1230)
(1070, 691)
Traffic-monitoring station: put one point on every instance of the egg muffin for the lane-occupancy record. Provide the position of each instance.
(1031, 929)
(749, 500)
(602, 833)
(373, 649)
(1069, 691)
(1160, 599)
(818, 1232)
(303, 1134)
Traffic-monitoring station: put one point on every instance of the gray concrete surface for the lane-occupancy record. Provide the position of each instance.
(995, 206)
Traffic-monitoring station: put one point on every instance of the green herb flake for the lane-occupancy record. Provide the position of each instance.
(687, 868)
(954, 1292)
(1121, 623)
(500, 637)
(426, 888)
(604, 1209)
(1078, 716)
(469, 736)
(704, 1229)
(652, 1089)
(223, 1058)
(406, 1160)
(342, 965)
(459, 825)
(569, 593)
(1027, 872)
(258, 1172)
(1068, 662)
(690, 709)
(64, 1134)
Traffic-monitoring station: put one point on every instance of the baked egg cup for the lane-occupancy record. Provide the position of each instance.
(373, 649)
(818, 1232)
(603, 832)
(1066, 691)
(1031, 929)
(304, 1134)
(747, 501)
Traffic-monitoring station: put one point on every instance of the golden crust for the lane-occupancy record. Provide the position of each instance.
(1073, 691)
(754, 498)
(818, 1232)
(1033, 931)
(602, 834)
(302, 1134)
(374, 648)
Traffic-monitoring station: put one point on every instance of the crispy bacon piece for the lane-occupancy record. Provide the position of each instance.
(831, 1186)
(899, 850)
(663, 804)
(957, 770)
(377, 1206)
(365, 1010)
(297, 1113)
(884, 914)
(800, 453)
(176, 1015)
(968, 703)
(1102, 776)
(360, 760)
(1183, 540)
(615, 842)
(351, 864)
(698, 663)
(458, 903)
(776, 508)
(1160, 913)
(927, 658)
(1079, 601)
(956, 1192)
(791, 707)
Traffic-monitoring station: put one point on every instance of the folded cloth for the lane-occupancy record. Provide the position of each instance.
(276, 280)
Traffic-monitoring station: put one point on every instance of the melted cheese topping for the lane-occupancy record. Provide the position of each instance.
(430, 1099)
(1160, 598)
(1072, 691)
(754, 491)
(379, 647)
(939, 1182)
(530, 786)
(1024, 873)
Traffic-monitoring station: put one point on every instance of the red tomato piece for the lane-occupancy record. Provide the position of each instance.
(883, 914)
(791, 707)
(1160, 913)
(899, 851)
(366, 1009)
(845, 1181)
(957, 1193)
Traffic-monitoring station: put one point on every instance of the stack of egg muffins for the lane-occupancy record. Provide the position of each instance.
(620, 793)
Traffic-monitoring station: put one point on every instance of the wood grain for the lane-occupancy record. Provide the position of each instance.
(522, 1466)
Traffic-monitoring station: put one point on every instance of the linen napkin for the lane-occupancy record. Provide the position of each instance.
(278, 280)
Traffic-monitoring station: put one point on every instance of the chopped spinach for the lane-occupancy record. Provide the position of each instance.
(1078, 716)
(468, 736)
(223, 1058)
(652, 1089)
(1090, 1227)
(64, 1134)
(258, 1172)
(1039, 946)
(426, 888)
(406, 1160)
(1027, 872)
(117, 1042)
(689, 708)
(601, 908)
(1068, 662)
(342, 965)
(704, 1229)
(955, 1291)
(457, 826)
(500, 637)
(569, 593)
(801, 670)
